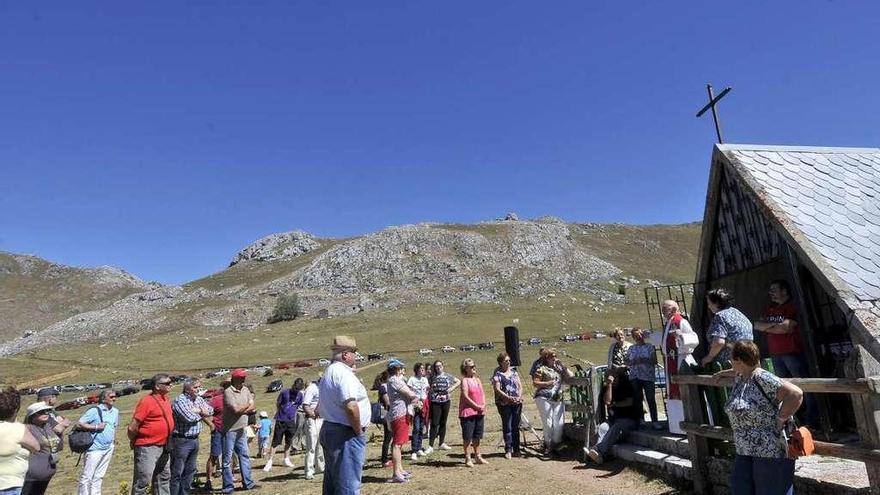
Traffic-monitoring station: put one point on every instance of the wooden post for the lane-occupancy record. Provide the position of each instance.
(867, 408)
(806, 329)
(695, 412)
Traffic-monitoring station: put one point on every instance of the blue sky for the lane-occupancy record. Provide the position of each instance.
(162, 137)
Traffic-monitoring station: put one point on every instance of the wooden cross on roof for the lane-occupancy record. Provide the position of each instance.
(713, 100)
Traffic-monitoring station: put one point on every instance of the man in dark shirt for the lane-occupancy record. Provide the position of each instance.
(624, 414)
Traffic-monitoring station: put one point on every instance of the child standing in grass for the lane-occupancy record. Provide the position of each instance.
(263, 433)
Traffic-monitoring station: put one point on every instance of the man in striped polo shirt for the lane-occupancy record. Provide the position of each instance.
(190, 410)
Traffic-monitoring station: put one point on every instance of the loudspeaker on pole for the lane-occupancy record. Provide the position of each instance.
(511, 345)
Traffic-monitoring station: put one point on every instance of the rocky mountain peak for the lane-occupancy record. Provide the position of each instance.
(277, 246)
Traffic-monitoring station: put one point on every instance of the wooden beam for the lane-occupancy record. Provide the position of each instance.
(820, 385)
(843, 451)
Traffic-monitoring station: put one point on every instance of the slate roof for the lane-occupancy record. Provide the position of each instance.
(830, 196)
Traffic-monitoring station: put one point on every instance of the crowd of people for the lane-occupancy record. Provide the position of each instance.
(327, 419)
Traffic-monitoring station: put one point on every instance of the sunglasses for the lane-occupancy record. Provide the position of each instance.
(163, 383)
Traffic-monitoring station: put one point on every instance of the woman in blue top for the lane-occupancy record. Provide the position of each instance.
(508, 399)
(759, 406)
(728, 326)
(641, 358)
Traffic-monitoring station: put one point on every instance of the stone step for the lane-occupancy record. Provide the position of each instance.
(666, 463)
(661, 441)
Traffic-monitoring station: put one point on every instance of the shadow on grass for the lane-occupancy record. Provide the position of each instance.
(611, 468)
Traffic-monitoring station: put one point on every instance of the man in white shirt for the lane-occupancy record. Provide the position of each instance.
(313, 427)
(345, 408)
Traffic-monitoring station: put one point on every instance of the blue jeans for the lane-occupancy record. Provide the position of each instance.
(762, 476)
(511, 416)
(16, 490)
(184, 453)
(646, 388)
(795, 366)
(235, 441)
(344, 456)
(418, 422)
(616, 432)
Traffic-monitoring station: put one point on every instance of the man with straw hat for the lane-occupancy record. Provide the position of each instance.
(345, 408)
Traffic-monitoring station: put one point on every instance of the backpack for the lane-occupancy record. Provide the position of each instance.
(377, 413)
(81, 440)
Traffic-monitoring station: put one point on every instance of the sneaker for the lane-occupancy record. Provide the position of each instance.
(310, 476)
(594, 455)
(287, 462)
(508, 455)
(429, 450)
(407, 474)
(422, 453)
(414, 456)
(480, 460)
(443, 446)
(395, 479)
(268, 466)
(469, 463)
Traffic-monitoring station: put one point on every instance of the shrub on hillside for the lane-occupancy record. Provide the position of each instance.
(287, 308)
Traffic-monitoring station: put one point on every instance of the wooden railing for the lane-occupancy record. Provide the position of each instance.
(865, 399)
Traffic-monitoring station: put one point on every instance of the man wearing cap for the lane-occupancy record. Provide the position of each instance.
(238, 402)
(190, 410)
(149, 432)
(345, 408)
(313, 427)
(103, 420)
(49, 396)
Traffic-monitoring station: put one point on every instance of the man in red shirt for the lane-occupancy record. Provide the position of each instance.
(784, 342)
(149, 431)
(213, 464)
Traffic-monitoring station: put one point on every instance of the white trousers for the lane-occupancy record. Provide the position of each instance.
(552, 418)
(94, 468)
(313, 447)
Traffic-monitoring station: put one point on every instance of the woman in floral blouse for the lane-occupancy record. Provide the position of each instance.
(508, 399)
(759, 406)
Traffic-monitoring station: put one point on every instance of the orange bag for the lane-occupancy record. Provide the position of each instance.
(800, 443)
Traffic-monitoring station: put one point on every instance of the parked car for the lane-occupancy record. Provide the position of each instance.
(568, 338)
(324, 362)
(359, 357)
(27, 391)
(66, 406)
(425, 351)
(585, 336)
(448, 348)
(600, 335)
(468, 348)
(302, 364)
(535, 341)
(282, 366)
(129, 390)
(274, 386)
(268, 372)
(486, 345)
(376, 356)
(72, 388)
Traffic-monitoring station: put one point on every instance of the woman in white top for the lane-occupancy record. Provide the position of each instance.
(418, 383)
(16, 443)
